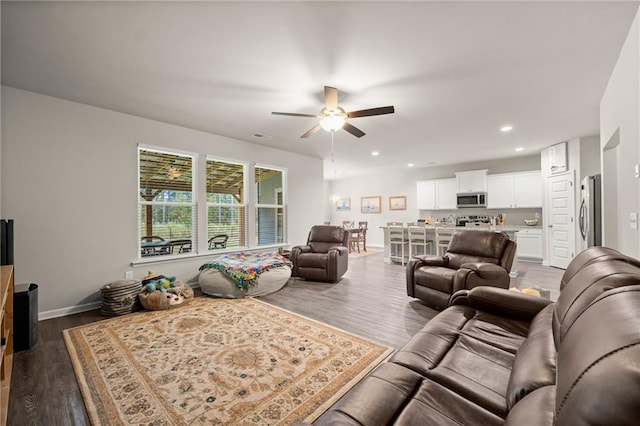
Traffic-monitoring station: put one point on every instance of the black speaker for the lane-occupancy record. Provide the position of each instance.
(6, 242)
(25, 316)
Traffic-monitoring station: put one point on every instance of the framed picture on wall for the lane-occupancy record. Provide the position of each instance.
(370, 204)
(558, 158)
(398, 202)
(343, 204)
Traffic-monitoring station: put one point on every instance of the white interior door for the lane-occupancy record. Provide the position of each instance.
(560, 220)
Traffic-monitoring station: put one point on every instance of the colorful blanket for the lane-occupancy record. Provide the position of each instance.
(244, 268)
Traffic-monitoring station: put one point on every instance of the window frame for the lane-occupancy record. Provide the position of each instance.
(245, 196)
(199, 247)
(193, 203)
(283, 206)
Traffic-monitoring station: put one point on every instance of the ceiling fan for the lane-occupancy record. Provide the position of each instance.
(332, 117)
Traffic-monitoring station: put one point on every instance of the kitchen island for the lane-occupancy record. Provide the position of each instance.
(510, 230)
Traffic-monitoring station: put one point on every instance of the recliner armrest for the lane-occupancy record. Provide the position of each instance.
(501, 302)
(487, 271)
(341, 250)
(302, 249)
(431, 260)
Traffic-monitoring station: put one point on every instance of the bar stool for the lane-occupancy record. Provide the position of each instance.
(443, 237)
(397, 238)
(418, 238)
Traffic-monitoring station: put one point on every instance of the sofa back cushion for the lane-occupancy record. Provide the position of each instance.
(591, 255)
(599, 363)
(535, 362)
(324, 237)
(585, 286)
(476, 246)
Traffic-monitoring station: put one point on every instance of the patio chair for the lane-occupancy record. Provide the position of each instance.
(218, 241)
(180, 246)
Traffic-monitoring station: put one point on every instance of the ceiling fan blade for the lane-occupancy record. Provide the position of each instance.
(331, 97)
(295, 114)
(353, 130)
(312, 131)
(371, 111)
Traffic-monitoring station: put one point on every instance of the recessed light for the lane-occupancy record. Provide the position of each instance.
(410, 165)
(375, 153)
(506, 128)
(518, 149)
(261, 136)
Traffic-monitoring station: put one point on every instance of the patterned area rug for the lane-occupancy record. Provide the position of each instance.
(215, 361)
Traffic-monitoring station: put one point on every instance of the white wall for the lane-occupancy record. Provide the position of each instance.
(404, 183)
(69, 176)
(620, 142)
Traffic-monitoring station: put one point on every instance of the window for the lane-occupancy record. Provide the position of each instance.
(166, 203)
(226, 205)
(270, 206)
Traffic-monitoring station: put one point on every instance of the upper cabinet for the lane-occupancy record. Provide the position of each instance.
(472, 181)
(426, 196)
(438, 194)
(514, 190)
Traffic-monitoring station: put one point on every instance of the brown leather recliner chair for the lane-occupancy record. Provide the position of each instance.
(325, 257)
(474, 258)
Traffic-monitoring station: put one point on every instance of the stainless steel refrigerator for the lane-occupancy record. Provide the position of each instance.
(590, 217)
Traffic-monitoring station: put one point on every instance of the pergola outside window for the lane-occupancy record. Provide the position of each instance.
(166, 203)
(226, 204)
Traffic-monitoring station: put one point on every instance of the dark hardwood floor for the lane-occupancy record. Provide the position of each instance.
(370, 301)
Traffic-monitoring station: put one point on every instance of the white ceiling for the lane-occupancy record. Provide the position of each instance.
(455, 71)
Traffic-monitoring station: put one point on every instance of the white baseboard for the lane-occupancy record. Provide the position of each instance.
(70, 310)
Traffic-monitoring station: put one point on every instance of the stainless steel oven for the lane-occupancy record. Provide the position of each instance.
(475, 199)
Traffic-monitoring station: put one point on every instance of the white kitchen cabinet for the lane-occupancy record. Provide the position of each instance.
(529, 243)
(471, 181)
(426, 199)
(514, 190)
(499, 191)
(446, 194)
(437, 194)
(527, 189)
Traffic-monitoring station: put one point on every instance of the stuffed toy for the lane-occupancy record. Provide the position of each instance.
(154, 282)
(160, 292)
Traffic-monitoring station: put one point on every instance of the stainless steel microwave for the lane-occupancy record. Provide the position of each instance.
(472, 199)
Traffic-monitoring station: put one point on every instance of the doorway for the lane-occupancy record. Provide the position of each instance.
(560, 220)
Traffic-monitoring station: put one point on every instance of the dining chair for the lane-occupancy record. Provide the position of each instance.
(417, 235)
(347, 224)
(358, 236)
(397, 242)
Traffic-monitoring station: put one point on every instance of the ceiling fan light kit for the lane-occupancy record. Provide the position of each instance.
(332, 117)
(173, 172)
(331, 123)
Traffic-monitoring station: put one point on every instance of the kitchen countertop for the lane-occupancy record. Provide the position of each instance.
(506, 228)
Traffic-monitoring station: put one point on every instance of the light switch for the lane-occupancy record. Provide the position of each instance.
(633, 220)
(636, 170)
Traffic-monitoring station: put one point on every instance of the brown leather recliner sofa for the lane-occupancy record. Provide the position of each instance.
(473, 258)
(325, 257)
(497, 357)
